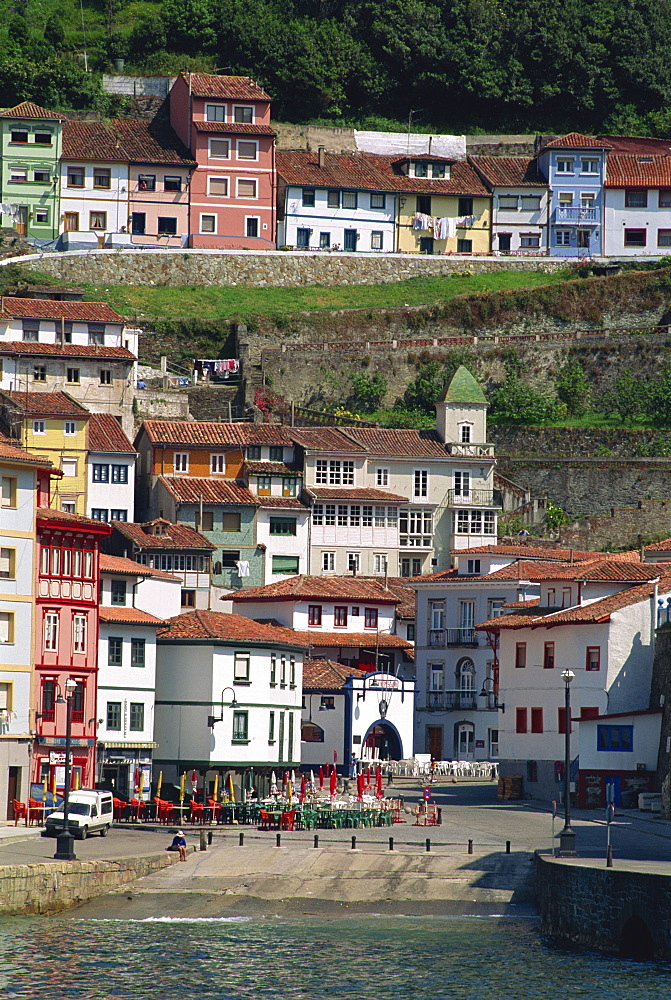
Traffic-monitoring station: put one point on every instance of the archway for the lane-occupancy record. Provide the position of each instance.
(636, 940)
(382, 741)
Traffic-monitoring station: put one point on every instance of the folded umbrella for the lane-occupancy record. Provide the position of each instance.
(333, 782)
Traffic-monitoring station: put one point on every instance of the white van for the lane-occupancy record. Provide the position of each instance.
(89, 811)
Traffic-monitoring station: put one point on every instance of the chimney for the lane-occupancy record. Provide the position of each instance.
(321, 157)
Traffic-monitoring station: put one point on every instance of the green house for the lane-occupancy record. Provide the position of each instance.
(30, 152)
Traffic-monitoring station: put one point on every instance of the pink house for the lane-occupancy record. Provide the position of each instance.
(159, 169)
(225, 123)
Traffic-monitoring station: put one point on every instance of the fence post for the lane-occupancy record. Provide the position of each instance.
(203, 840)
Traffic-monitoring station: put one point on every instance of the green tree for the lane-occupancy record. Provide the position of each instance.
(572, 387)
(628, 397)
(368, 391)
(424, 391)
(515, 402)
(660, 396)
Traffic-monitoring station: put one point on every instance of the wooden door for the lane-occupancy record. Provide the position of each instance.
(21, 223)
(12, 790)
(435, 741)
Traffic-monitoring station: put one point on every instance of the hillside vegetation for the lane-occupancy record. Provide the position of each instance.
(453, 65)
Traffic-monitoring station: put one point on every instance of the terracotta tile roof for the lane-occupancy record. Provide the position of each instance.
(13, 453)
(177, 536)
(340, 170)
(216, 434)
(224, 491)
(531, 569)
(576, 140)
(290, 503)
(402, 591)
(50, 514)
(508, 171)
(272, 469)
(20, 348)
(622, 571)
(128, 616)
(463, 179)
(76, 312)
(29, 110)
(233, 628)
(324, 439)
(324, 588)
(533, 602)
(629, 171)
(151, 142)
(396, 442)
(441, 574)
(368, 640)
(128, 567)
(663, 546)
(327, 675)
(48, 404)
(237, 128)
(640, 145)
(83, 140)
(349, 493)
(594, 612)
(237, 88)
(106, 436)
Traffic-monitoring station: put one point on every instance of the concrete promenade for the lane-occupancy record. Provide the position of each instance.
(259, 877)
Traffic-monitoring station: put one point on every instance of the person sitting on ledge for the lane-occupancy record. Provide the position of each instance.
(179, 844)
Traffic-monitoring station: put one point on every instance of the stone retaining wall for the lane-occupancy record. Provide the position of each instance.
(60, 885)
(612, 911)
(271, 267)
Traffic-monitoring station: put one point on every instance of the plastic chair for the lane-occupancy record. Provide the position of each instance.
(288, 820)
(20, 811)
(35, 812)
(197, 812)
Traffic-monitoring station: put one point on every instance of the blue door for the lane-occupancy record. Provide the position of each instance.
(350, 239)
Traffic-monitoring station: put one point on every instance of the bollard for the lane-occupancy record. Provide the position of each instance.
(391, 843)
(609, 857)
(316, 843)
(203, 841)
(428, 845)
(354, 843)
(278, 840)
(470, 847)
(241, 839)
(209, 837)
(507, 847)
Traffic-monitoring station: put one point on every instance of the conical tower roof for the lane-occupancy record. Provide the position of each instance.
(463, 388)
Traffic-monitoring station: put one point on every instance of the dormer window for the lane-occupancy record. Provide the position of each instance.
(435, 171)
(465, 431)
(421, 169)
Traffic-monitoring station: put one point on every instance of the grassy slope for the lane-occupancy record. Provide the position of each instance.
(209, 302)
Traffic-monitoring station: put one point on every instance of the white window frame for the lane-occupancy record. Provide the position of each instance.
(328, 562)
(382, 476)
(565, 165)
(218, 464)
(247, 159)
(380, 562)
(216, 194)
(354, 562)
(247, 180)
(420, 484)
(592, 161)
(39, 427)
(79, 633)
(258, 227)
(208, 215)
(180, 461)
(70, 428)
(565, 240)
(50, 637)
(218, 107)
(218, 156)
(246, 107)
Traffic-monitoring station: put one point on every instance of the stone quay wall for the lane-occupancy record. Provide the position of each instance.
(60, 885)
(607, 909)
(283, 269)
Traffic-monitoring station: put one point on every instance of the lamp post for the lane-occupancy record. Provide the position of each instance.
(65, 840)
(493, 691)
(211, 720)
(567, 836)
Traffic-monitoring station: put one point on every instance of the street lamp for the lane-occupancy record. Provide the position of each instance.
(485, 693)
(567, 836)
(211, 720)
(65, 840)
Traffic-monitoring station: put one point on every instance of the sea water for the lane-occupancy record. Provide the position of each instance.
(359, 958)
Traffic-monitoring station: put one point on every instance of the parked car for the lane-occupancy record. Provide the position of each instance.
(89, 811)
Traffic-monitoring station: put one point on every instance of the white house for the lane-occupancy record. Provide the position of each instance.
(519, 204)
(342, 618)
(135, 601)
(334, 201)
(598, 620)
(347, 711)
(94, 181)
(398, 501)
(618, 757)
(22, 477)
(110, 471)
(637, 197)
(228, 695)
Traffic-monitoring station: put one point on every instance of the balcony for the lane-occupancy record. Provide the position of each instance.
(441, 637)
(470, 450)
(474, 498)
(580, 216)
(445, 700)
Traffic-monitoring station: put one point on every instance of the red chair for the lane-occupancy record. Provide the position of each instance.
(217, 810)
(20, 811)
(119, 808)
(138, 809)
(288, 820)
(35, 812)
(197, 812)
(268, 822)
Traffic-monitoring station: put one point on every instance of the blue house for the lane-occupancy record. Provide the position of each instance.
(575, 168)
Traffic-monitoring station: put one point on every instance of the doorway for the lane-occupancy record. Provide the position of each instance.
(434, 741)
(115, 777)
(504, 242)
(583, 239)
(21, 223)
(426, 244)
(13, 790)
(350, 237)
(382, 743)
(465, 740)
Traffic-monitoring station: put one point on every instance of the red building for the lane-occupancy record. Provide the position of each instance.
(66, 642)
(225, 123)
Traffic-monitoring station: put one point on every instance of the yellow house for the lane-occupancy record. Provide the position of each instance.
(53, 424)
(443, 205)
